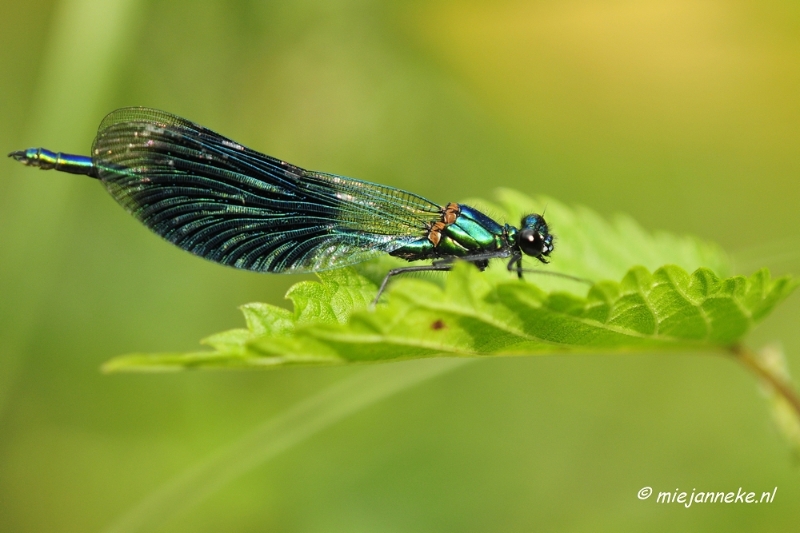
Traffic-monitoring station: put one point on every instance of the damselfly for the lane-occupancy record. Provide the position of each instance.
(225, 202)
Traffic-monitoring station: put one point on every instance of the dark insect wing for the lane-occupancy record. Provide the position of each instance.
(222, 201)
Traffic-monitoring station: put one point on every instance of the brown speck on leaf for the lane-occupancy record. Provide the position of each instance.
(438, 324)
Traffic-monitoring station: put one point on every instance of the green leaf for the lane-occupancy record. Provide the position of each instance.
(673, 293)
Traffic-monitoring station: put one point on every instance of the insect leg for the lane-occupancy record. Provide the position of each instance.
(475, 259)
(515, 264)
(516, 260)
(403, 270)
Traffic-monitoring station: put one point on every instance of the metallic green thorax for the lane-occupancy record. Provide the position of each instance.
(472, 233)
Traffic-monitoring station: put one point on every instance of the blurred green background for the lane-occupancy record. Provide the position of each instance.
(684, 114)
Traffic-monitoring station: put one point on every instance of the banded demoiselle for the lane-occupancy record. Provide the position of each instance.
(227, 203)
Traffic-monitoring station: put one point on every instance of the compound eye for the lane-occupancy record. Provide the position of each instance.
(531, 242)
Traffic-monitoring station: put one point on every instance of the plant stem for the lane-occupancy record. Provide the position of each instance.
(753, 362)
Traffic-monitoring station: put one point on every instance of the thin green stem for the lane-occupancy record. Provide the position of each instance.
(756, 364)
